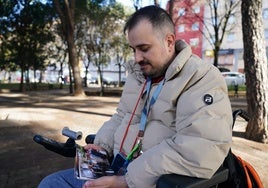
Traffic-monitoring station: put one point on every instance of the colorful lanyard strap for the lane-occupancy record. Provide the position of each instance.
(147, 108)
(132, 115)
(145, 112)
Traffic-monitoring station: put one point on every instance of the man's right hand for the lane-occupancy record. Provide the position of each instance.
(95, 147)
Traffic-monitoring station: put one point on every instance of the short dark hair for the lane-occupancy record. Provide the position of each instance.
(157, 16)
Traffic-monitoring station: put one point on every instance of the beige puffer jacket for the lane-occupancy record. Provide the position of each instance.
(186, 133)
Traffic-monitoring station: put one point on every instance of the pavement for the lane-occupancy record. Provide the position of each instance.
(24, 163)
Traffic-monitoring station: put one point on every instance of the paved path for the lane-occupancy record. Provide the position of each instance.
(24, 163)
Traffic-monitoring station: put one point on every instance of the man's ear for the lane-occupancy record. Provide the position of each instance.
(170, 38)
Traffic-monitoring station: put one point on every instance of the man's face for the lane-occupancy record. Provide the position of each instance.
(153, 50)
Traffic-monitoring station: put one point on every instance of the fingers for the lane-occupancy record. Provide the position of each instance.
(93, 146)
(102, 182)
(107, 182)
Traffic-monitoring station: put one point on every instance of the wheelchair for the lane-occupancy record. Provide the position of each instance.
(68, 149)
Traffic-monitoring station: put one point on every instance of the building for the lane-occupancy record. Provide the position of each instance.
(188, 19)
(192, 19)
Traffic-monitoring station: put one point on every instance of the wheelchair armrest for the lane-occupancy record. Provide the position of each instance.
(180, 181)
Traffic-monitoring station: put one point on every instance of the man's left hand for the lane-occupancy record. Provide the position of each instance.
(107, 182)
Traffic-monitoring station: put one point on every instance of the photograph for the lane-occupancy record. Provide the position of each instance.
(91, 164)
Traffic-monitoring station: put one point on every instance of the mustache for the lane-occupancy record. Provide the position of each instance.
(141, 63)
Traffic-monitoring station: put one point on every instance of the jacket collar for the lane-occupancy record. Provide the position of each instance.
(184, 52)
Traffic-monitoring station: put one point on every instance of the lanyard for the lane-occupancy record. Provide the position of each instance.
(132, 115)
(147, 108)
(145, 112)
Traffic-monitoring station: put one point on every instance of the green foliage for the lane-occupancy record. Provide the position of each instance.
(28, 25)
(25, 33)
(104, 27)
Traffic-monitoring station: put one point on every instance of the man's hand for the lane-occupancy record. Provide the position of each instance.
(107, 182)
(93, 146)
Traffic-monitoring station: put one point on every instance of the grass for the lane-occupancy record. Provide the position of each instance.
(240, 92)
(240, 88)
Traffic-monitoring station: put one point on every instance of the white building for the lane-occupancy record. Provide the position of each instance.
(231, 53)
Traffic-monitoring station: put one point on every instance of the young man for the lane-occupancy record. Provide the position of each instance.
(174, 108)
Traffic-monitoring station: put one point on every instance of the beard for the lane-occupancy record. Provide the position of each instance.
(151, 71)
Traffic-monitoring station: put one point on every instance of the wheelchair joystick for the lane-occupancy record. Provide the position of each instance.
(67, 149)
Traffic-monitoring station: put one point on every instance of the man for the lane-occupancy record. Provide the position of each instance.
(174, 108)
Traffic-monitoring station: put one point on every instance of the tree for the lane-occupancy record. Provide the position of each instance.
(170, 7)
(66, 12)
(25, 33)
(57, 55)
(137, 4)
(71, 12)
(219, 21)
(6, 12)
(256, 70)
(104, 23)
(122, 51)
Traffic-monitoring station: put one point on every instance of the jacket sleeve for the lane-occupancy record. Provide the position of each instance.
(202, 140)
(105, 135)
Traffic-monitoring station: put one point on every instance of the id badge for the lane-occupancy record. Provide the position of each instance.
(119, 163)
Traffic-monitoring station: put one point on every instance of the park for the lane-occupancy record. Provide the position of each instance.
(30, 45)
(23, 115)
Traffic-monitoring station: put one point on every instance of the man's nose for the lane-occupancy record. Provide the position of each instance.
(138, 57)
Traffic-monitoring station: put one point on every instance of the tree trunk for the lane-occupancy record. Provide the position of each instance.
(67, 21)
(22, 87)
(78, 87)
(170, 9)
(100, 80)
(70, 79)
(216, 56)
(156, 3)
(256, 69)
(61, 76)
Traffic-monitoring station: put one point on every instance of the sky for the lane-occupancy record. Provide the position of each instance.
(144, 2)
